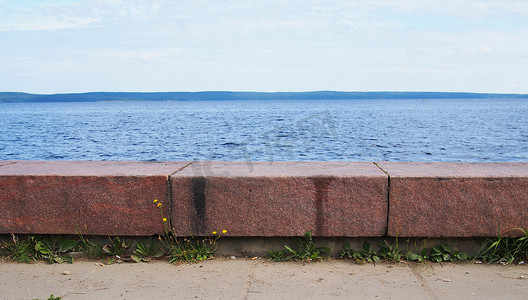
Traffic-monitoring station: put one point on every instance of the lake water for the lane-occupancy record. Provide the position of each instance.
(475, 130)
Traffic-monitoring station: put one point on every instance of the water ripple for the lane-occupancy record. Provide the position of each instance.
(365, 130)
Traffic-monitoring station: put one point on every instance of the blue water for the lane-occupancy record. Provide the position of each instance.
(458, 130)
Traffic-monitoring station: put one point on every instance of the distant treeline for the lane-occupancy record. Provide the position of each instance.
(219, 96)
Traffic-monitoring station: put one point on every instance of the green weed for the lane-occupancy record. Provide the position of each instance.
(117, 247)
(390, 252)
(445, 253)
(34, 248)
(504, 250)
(279, 255)
(21, 250)
(54, 249)
(146, 252)
(187, 249)
(306, 250)
(364, 255)
(90, 249)
(411, 256)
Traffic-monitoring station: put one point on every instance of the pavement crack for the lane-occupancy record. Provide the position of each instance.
(249, 281)
(70, 290)
(423, 284)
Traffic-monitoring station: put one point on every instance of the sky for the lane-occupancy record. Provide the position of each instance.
(59, 46)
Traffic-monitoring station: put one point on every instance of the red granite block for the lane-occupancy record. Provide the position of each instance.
(101, 198)
(280, 199)
(457, 199)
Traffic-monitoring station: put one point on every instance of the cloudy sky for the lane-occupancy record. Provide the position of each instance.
(54, 46)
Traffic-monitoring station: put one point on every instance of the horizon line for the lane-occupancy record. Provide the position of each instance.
(266, 92)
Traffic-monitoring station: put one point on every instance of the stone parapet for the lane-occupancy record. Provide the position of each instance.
(99, 198)
(457, 199)
(264, 199)
(280, 198)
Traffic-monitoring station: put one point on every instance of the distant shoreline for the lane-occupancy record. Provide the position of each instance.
(13, 97)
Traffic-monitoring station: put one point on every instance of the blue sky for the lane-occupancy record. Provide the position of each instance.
(380, 45)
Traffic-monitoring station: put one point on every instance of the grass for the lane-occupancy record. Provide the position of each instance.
(21, 250)
(504, 250)
(56, 249)
(33, 248)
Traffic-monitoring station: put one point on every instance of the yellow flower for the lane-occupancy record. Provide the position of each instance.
(164, 219)
(155, 200)
(159, 204)
(224, 231)
(214, 232)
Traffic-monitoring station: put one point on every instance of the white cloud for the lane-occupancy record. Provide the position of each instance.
(146, 56)
(316, 44)
(477, 9)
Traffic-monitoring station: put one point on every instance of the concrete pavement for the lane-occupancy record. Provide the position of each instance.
(244, 278)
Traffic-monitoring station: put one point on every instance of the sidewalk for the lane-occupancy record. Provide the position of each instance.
(244, 278)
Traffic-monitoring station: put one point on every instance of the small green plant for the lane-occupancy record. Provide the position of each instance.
(34, 248)
(146, 252)
(504, 250)
(390, 252)
(117, 248)
(186, 249)
(306, 250)
(420, 253)
(54, 250)
(21, 250)
(411, 256)
(366, 254)
(90, 249)
(190, 249)
(278, 255)
(444, 253)
(347, 252)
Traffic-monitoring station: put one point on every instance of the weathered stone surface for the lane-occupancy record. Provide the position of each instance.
(102, 198)
(457, 199)
(7, 162)
(91, 168)
(264, 198)
(280, 199)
